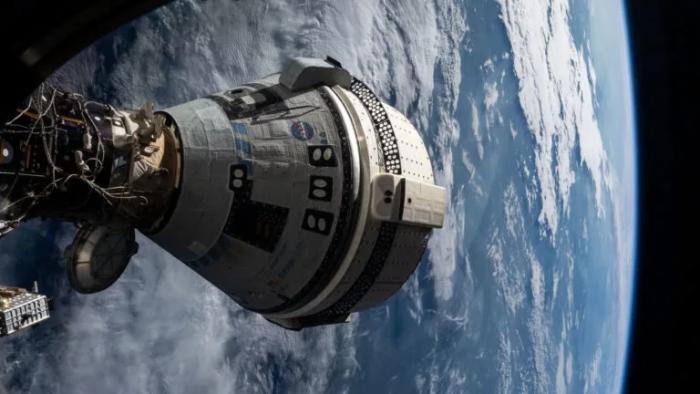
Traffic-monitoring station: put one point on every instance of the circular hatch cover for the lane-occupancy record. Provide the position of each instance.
(98, 256)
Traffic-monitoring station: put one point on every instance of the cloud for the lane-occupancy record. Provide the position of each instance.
(560, 380)
(163, 328)
(490, 100)
(476, 129)
(507, 275)
(517, 269)
(539, 325)
(446, 249)
(592, 372)
(443, 376)
(445, 245)
(502, 253)
(557, 98)
(491, 96)
(506, 360)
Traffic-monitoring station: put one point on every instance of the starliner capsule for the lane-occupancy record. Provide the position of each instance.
(302, 196)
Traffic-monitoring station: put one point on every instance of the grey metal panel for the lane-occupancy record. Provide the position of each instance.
(362, 255)
(205, 199)
(297, 275)
(304, 73)
(301, 252)
(278, 174)
(21, 310)
(406, 251)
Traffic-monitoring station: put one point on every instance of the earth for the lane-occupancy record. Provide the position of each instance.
(527, 109)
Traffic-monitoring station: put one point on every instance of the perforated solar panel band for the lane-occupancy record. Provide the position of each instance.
(380, 119)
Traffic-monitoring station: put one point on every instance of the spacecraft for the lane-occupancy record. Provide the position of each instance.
(21, 309)
(302, 195)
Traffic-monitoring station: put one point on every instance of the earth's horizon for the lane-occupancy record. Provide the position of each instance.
(527, 111)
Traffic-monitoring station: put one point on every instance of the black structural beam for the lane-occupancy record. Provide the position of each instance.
(38, 36)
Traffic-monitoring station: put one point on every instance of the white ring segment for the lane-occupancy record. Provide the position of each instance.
(360, 153)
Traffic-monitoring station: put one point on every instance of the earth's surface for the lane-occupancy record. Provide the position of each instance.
(526, 106)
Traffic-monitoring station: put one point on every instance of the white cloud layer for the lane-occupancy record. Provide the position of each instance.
(446, 245)
(556, 95)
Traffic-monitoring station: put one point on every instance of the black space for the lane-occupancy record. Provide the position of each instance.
(49, 33)
(664, 50)
(665, 46)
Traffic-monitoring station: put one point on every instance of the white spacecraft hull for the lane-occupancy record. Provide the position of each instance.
(302, 196)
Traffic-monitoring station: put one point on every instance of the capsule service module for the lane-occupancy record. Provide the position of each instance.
(302, 196)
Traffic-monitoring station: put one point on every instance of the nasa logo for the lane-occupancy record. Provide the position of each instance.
(302, 131)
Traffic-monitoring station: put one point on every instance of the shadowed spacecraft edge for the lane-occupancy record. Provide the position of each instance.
(301, 196)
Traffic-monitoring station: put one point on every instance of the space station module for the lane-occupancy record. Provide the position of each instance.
(21, 309)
